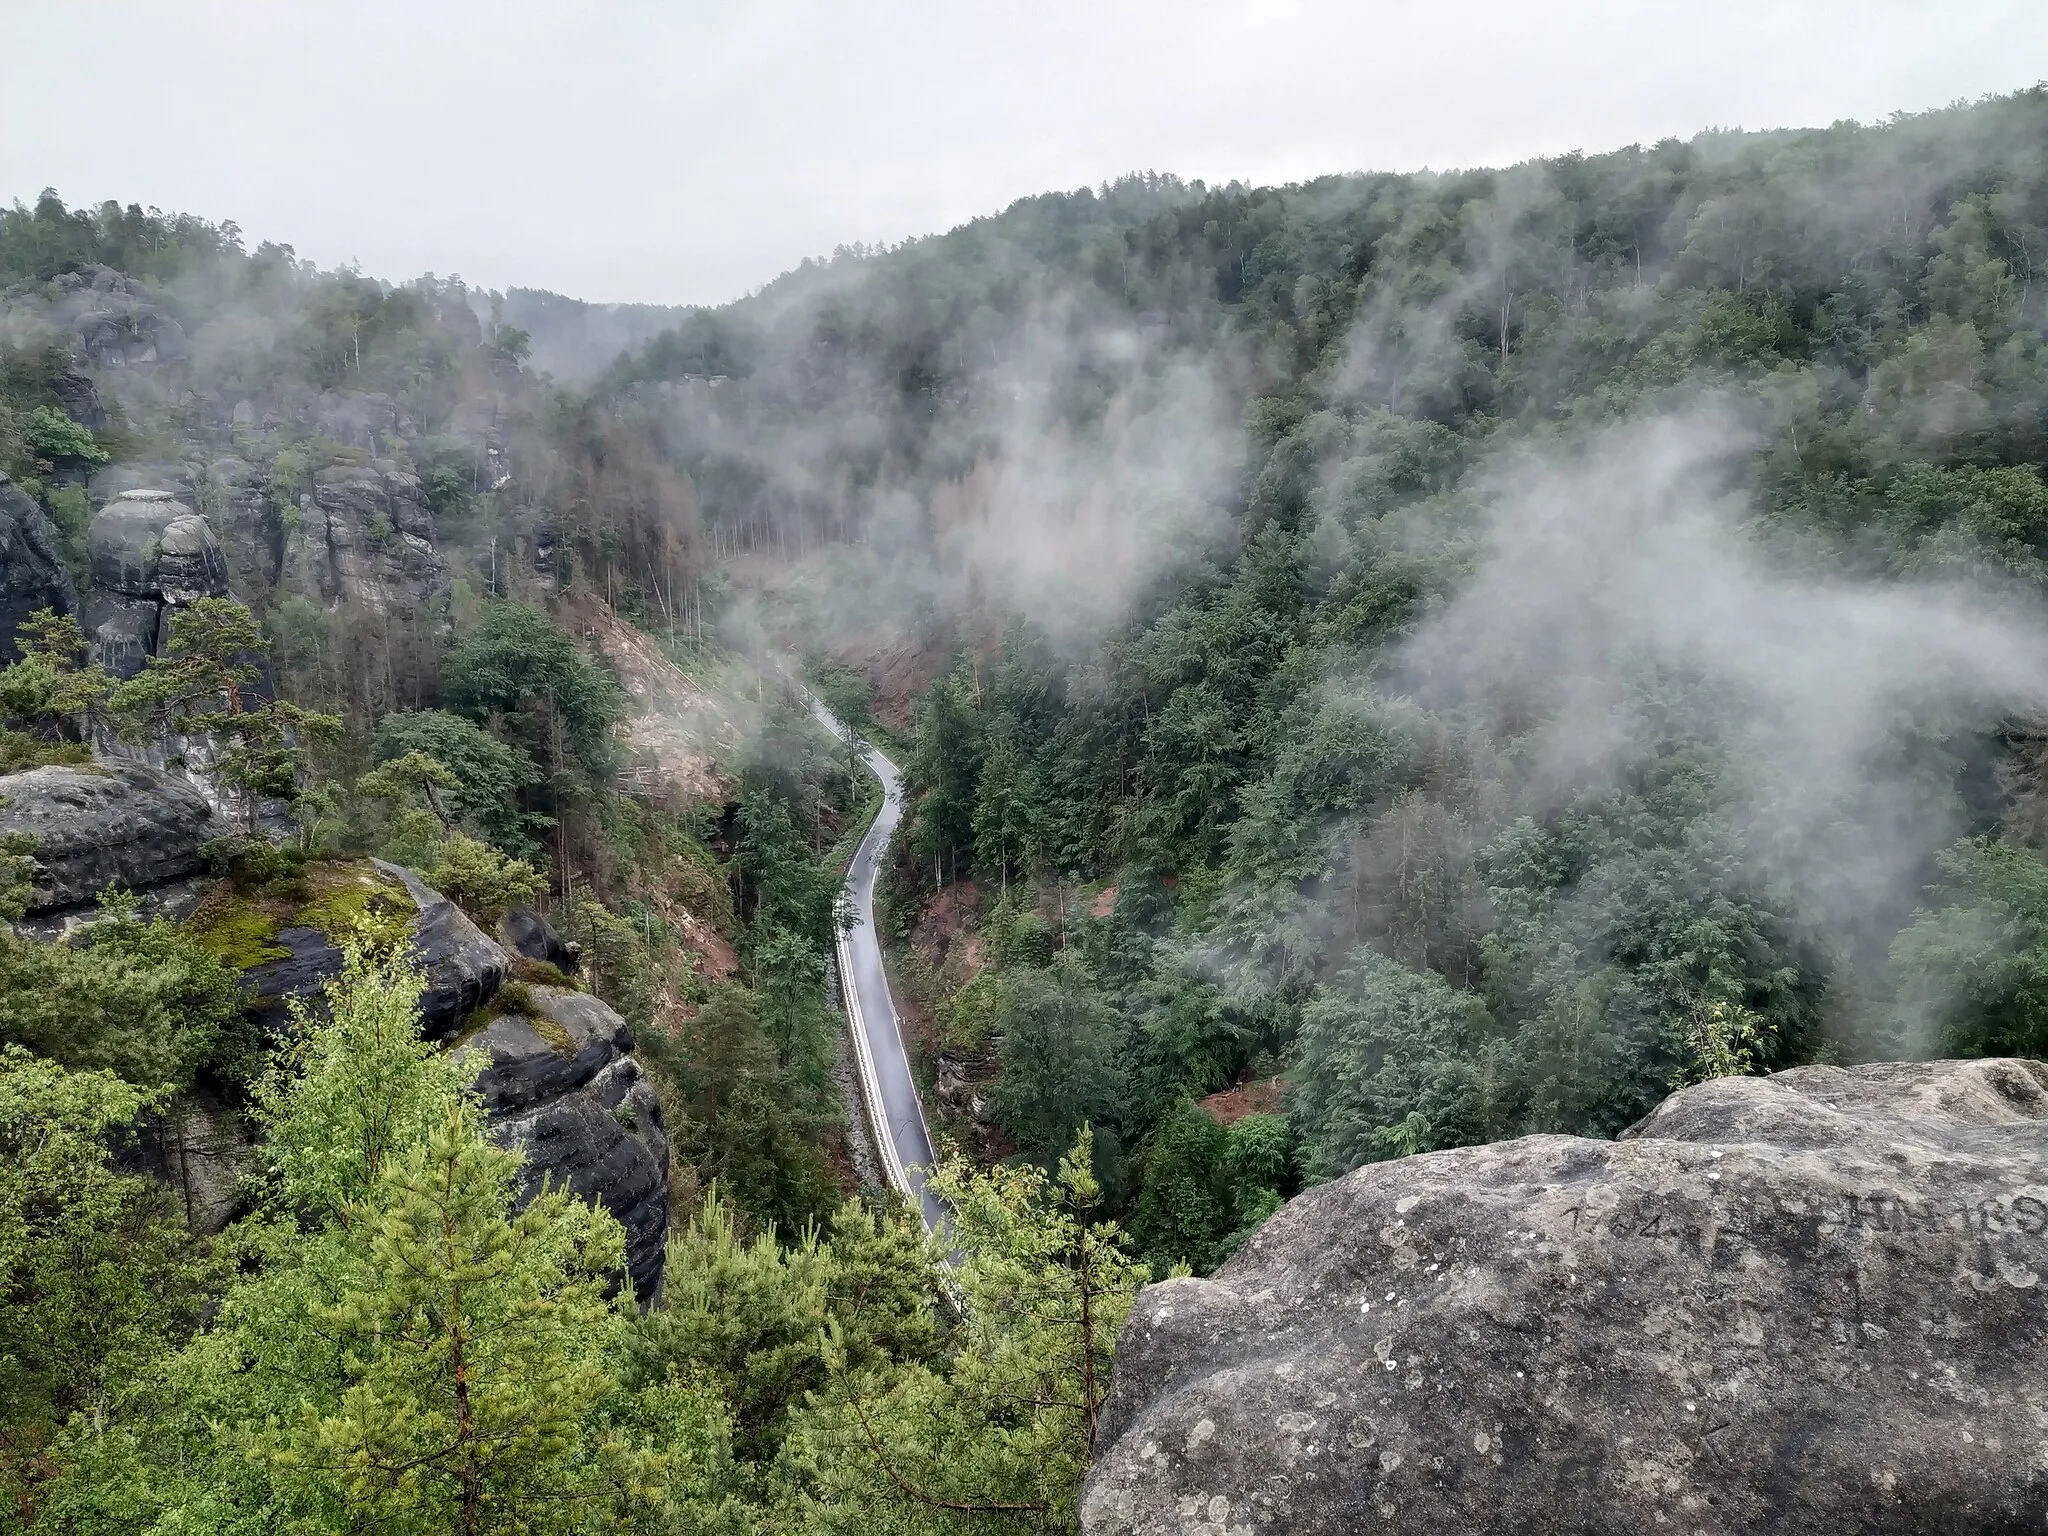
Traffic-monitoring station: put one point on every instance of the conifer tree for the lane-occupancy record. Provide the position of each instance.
(209, 682)
(1042, 1286)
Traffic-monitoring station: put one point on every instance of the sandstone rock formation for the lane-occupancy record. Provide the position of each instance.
(561, 1084)
(105, 825)
(113, 480)
(80, 398)
(116, 324)
(357, 420)
(464, 969)
(1809, 1303)
(251, 530)
(151, 555)
(368, 538)
(563, 1088)
(532, 937)
(32, 573)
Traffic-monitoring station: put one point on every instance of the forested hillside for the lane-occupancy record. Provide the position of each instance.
(1380, 664)
(318, 1207)
(1514, 641)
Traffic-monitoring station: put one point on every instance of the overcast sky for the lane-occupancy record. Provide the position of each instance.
(683, 153)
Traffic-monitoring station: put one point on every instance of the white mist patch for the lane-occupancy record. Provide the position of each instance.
(1622, 603)
(1063, 520)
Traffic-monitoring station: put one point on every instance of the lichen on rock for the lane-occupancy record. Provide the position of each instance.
(1806, 1303)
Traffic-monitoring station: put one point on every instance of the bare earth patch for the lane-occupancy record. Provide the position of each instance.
(1264, 1097)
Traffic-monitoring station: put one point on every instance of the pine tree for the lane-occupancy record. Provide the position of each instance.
(403, 1350)
(1042, 1286)
(475, 1343)
(208, 682)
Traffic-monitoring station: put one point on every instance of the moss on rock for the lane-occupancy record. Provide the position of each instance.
(234, 931)
(238, 921)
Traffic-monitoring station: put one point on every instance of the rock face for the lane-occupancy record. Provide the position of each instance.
(369, 538)
(104, 825)
(116, 324)
(32, 573)
(1810, 1303)
(80, 399)
(556, 1071)
(529, 935)
(464, 969)
(251, 530)
(562, 1087)
(369, 421)
(151, 555)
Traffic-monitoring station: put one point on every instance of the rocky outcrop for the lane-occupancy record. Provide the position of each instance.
(556, 1070)
(532, 937)
(151, 555)
(563, 1088)
(116, 324)
(104, 826)
(117, 479)
(369, 539)
(80, 399)
(1809, 1303)
(464, 968)
(32, 573)
(372, 421)
(251, 530)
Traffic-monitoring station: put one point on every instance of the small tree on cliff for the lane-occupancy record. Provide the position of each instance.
(55, 688)
(208, 682)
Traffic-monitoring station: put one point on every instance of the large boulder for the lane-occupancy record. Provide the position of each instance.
(32, 573)
(563, 1088)
(1810, 1303)
(101, 826)
(464, 967)
(151, 555)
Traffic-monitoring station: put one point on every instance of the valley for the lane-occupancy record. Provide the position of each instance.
(1192, 858)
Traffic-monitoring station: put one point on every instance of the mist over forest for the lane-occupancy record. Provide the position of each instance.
(1610, 643)
(1381, 665)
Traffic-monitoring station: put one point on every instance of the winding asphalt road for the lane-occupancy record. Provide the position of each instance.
(894, 1107)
